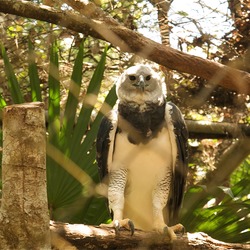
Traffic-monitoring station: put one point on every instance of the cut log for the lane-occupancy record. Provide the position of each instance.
(24, 217)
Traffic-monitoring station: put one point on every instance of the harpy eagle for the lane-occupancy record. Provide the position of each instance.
(142, 150)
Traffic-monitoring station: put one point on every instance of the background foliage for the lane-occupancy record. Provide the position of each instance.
(74, 76)
(70, 147)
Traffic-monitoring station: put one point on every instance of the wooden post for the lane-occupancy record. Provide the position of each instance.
(24, 216)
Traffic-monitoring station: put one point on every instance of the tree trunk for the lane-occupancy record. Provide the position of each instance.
(163, 7)
(24, 217)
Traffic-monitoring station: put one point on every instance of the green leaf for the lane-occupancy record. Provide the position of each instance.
(65, 188)
(182, 13)
(33, 75)
(96, 212)
(90, 137)
(54, 96)
(72, 100)
(2, 105)
(223, 219)
(2, 102)
(11, 78)
(54, 170)
(90, 100)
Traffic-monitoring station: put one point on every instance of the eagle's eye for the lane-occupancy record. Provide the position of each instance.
(132, 77)
(148, 77)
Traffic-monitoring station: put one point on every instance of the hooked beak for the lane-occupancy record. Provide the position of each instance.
(141, 83)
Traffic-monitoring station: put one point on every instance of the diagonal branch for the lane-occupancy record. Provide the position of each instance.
(227, 163)
(102, 26)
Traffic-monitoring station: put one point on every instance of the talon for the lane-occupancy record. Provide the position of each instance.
(118, 224)
(183, 231)
(117, 227)
(131, 227)
(178, 228)
(169, 232)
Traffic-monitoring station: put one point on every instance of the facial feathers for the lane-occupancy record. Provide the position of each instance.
(140, 84)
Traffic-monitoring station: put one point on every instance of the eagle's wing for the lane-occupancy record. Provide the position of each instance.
(180, 169)
(105, 142)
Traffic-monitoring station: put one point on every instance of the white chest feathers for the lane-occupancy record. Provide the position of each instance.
(146, 165)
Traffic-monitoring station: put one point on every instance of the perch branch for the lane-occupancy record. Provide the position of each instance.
(79, 236)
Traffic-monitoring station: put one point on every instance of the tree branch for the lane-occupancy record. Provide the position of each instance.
(79, 236)
(102, 26)
(208, 130)
(216, 130)
(227, 163)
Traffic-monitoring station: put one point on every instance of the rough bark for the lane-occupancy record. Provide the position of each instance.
(98, 24)
(163, 8)
(79, 236)
(24, 217)
(162, 11)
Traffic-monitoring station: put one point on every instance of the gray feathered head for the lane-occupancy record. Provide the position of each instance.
(141, 84)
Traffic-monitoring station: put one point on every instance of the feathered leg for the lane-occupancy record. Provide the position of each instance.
(117, 183)
(159, 201)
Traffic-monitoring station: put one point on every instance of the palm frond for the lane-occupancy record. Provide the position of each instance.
(11, 78)
(222, 214)
(33, 75)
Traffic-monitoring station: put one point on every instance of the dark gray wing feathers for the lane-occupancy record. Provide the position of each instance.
(180, 170)
(103, 146)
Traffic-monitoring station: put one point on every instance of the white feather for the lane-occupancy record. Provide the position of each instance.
(146, 164)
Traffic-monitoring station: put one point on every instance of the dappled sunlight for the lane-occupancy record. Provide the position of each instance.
(81, 229)
(199, 238)
(86, 230)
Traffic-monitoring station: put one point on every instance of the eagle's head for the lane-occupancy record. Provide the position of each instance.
(140, 84)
